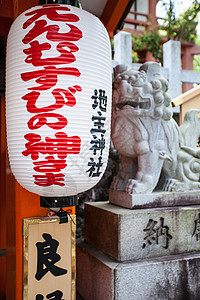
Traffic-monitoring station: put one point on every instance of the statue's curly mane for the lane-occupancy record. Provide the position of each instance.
(128, 84)
(150, 142)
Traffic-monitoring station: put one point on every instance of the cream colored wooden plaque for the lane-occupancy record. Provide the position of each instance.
(49, 259)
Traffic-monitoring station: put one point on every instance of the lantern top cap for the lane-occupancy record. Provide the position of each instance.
(75, 3)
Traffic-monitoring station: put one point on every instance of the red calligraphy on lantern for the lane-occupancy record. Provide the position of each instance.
(60, 96)
(49, 179)
(40, 120)
(35, 53)
(48, 77)
(51, 13)
(50, 165)
(61, 145)
(53, 33)
(54, 150)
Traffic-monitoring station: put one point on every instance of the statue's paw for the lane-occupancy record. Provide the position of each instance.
(117, 183)
(132, 186)
(168, 186)
(140, 186)
(174, 185)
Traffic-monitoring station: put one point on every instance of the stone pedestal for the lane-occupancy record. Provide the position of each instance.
(141, 254)
(162, 199)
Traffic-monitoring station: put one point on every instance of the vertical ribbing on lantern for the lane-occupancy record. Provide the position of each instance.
(58, 100)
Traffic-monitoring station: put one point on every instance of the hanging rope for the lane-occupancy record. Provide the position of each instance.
(64, 215)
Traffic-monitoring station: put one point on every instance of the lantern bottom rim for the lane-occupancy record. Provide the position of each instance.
(58, 202)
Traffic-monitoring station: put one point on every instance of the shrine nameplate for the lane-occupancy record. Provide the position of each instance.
(49, 259)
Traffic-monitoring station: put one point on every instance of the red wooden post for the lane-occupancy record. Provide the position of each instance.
(153, 19)
(187, 64)
(2, 202)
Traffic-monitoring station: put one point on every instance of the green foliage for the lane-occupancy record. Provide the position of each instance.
(196, 58)
(135, 58)
(149, 40)
(112, 44)
(196, 63)
(181, 28)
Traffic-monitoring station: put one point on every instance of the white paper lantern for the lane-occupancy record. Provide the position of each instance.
(58, 99)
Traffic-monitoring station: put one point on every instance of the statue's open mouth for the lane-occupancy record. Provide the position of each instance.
(141, 104)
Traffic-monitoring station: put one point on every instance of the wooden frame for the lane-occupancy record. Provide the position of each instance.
(50, 224)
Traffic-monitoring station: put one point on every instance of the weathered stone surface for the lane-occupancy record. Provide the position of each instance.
(156, 154)
(123, 41)
(174, 277)
(142, 233)
(172, 61)
(101, 228)
(163, 199)
(95, 274)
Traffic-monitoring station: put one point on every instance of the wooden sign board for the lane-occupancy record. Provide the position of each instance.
(49, 259)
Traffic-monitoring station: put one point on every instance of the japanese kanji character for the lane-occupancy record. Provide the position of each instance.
(50, 11)
(98, 144)
(99, 100)
(49, 179)
(57, 295)
(154, 232)
(95, 167)
(50, 165)
(35, 53)
(53, 34)
(40, 120)
(47, 257)
(98, 123)
(62, 145)
(34, 146)
(48, 77)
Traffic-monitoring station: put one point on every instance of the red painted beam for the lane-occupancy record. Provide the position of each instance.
(112, 14)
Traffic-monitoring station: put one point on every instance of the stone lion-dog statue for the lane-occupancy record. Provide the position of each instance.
(155, 152)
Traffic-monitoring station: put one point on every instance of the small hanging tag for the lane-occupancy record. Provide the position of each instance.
(63, 215)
